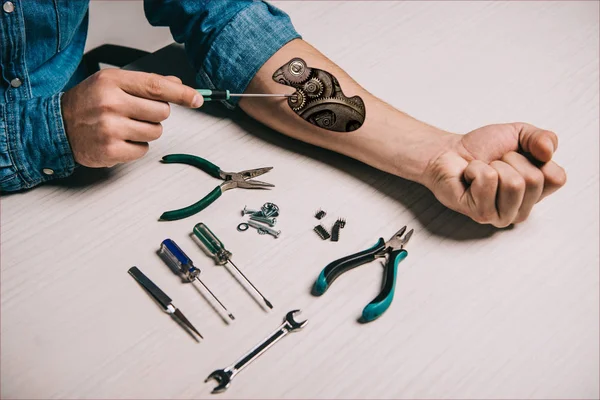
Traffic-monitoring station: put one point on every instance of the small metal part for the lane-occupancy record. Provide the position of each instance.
(263, 229)
(242, 227)
(322, 232)
(341, 222)
(320, 214)
(224, 376)
(248, 211)
(270, 210)
(335, 232)
(266, 220)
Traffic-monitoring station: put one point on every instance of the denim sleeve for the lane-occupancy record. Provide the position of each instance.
(226, 40)
(33, 144)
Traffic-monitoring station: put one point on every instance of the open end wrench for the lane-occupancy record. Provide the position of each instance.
(224, 376)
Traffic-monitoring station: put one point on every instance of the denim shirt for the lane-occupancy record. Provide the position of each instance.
(41, 46)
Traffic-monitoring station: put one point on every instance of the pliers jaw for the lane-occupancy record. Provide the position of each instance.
(397, 242)
(243, 179)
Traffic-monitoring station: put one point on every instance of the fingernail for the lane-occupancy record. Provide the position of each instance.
(197, 101)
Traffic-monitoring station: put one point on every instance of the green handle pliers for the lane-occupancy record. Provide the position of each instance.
(242, 179)
(393, 249)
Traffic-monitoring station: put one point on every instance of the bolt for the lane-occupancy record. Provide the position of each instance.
(264, 229)
(248, 211)
(266, 220)
(270, 210)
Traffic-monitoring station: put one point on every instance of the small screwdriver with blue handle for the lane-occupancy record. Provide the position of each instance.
(209, 94)
(183, 265)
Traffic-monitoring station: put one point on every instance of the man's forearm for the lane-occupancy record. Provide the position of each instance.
(388, 139)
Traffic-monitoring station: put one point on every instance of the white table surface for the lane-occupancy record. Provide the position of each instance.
(478, 312)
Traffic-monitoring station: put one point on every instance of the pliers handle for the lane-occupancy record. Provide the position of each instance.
(207, 200)
(382, 301)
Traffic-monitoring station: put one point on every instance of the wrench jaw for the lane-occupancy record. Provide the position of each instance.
(293, 325)
(223, 379)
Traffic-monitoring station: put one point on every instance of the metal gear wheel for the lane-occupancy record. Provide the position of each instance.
(313, 87)
(298, 100)
(296, 71)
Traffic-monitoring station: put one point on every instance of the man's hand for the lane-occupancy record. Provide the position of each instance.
(111, 116)
(496, 174)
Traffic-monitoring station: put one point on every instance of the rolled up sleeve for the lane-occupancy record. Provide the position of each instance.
(226, 40)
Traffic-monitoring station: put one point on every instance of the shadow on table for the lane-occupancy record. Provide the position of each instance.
(435, 217)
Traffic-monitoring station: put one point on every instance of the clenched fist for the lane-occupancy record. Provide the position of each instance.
(110, 117)
(497, 173)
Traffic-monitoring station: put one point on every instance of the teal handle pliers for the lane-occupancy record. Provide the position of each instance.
(393, 249)
(242, 179)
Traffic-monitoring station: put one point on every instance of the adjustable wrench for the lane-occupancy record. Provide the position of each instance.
(224, 376)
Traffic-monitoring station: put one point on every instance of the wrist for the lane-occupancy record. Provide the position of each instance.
(400, 144)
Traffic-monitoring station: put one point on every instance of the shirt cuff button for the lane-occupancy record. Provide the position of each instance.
(8, 7)
(48, 171)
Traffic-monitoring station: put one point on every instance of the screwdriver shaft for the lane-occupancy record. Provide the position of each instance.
(217, 300)
(267, 302)
(259, 95)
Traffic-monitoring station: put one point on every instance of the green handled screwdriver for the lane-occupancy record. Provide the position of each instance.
(210, 94)
(215, 248)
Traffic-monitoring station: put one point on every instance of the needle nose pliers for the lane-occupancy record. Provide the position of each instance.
(393, 249)
(242, 179)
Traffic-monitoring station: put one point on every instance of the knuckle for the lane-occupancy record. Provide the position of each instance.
(106, 126)
(104, 75)
(156, 132)
(534, 179)
(185, 97)
(490, 174)
(154, 85)
(485, 216)
(164, 112)
(111, 152)
(515, 184)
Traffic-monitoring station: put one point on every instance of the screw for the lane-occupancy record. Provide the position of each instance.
(248, 211)
(266, 220)
(270, 210)
(264, 229)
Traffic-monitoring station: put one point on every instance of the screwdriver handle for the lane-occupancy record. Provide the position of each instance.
(211, 244)
(209, 94)
(177, 260)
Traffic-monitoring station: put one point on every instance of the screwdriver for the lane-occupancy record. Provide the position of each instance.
(209, 94)
(215, 248)
(183, 265)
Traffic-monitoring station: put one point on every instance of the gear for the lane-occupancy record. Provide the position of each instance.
(296, 71)
(298, 100)
(358, 102)
(334, 100)
(313, 87)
